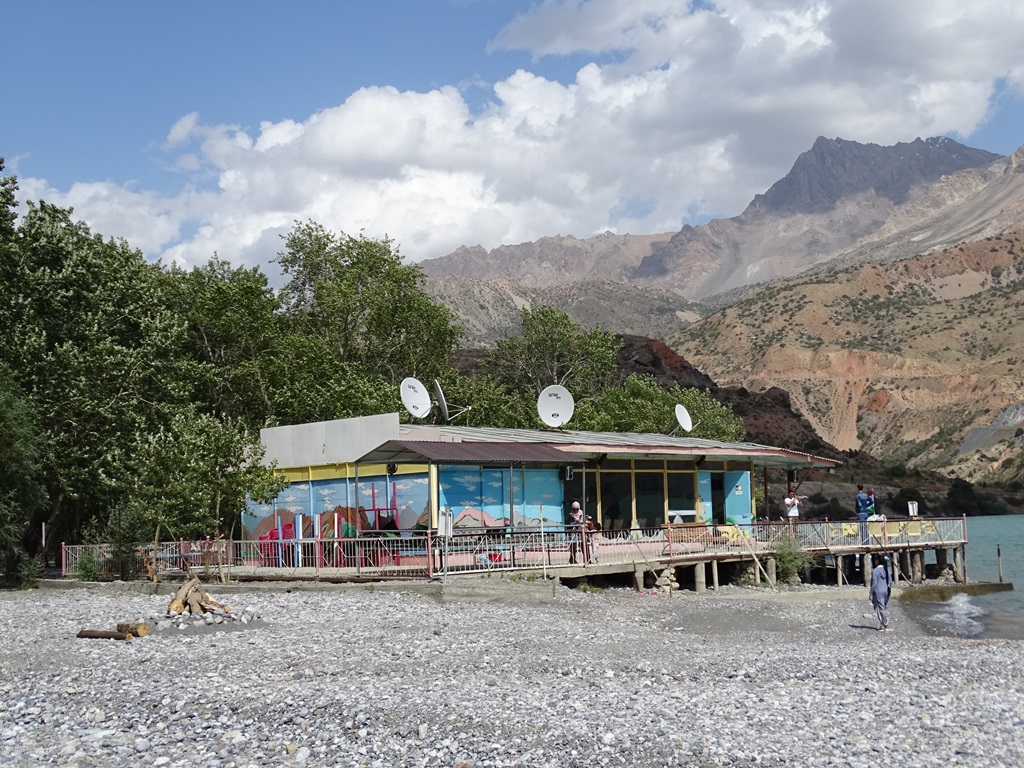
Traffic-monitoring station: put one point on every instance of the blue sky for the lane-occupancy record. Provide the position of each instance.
(199, 127)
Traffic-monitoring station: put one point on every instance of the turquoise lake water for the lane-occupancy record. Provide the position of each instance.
(997, 615)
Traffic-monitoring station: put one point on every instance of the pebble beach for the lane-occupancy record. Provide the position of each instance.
(509, 675)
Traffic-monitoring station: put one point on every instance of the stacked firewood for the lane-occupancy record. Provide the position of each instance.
(193, 598)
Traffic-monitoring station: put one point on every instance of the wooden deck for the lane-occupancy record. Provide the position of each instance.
(420, 555)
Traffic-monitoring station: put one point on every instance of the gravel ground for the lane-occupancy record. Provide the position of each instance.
(361, 677)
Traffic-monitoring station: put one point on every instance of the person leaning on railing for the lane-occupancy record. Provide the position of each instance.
(575, 530)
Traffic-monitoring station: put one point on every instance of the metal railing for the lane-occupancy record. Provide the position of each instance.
(417, 554)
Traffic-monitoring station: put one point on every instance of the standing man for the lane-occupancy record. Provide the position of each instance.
(879, 593)
(792, 502)
(862, 501)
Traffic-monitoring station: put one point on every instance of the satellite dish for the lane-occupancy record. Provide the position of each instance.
(555, 406)
(447, 412)
(442, 404)
(415, 398)
(683, 417)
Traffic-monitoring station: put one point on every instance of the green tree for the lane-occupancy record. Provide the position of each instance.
(493, 404)
(234, 331)
(640, 404)
(367, 308)
(91, 342)
(550, 348)
(193, 476)
(962, 498)
(22, 491)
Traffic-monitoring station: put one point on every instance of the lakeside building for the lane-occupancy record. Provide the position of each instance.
(385, 475)
(371, 498)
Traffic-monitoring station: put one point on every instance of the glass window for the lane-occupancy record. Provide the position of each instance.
(650, 499)
(616, 501)
(682, 495)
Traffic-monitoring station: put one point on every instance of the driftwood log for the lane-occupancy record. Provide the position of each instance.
(104, 634)
(193, 598)
(134, 628)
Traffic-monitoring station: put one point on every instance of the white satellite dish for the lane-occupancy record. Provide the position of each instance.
(555, 406)
(446, 411)
(415, 398)
(683, 417)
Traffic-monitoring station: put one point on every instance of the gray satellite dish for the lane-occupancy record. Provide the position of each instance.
(415, 398)
(447, 412)
(555, 406)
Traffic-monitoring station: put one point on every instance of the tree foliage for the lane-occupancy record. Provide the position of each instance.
(368, 309)
(640, 404)
(22, 490)
(551, 348)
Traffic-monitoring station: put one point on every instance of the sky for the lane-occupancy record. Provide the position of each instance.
(194, 129)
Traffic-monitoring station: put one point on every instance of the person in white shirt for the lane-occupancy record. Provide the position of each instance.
(792, 502)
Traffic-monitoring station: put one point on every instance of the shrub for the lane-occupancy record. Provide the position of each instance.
(88, 567)
(30, 570)
(790, 561)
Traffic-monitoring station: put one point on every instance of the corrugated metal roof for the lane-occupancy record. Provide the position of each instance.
(625, 444)
(416, 452)
(483, 445)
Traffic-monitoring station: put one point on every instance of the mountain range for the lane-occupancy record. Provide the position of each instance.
(879, 287)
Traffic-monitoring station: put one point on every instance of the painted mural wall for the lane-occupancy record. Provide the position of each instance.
(343, 505)
(483, 496)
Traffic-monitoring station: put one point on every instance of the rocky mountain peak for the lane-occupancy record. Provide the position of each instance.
(834, 169)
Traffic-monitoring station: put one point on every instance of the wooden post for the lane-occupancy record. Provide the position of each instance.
(839, 570)
(714, 575)
(772, 576)
(958, 565)
(865, 568)
(700, 579)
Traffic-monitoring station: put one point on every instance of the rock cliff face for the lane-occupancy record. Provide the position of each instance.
(915, 362)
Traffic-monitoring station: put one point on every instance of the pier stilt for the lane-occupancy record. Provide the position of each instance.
(839, 570)
(772, 577)
(958, 565)
(700, 579)
(916, 567)
(941, 560)
(865, 568)
(714, 575)
(905, 563)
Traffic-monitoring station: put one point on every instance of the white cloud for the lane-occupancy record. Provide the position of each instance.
(686, 111)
